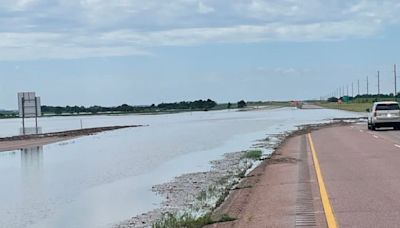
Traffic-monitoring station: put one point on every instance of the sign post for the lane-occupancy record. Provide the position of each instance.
(29, 107)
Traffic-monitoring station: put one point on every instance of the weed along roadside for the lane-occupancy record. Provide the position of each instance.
(187, 219)
(190, 221)
(191, 198)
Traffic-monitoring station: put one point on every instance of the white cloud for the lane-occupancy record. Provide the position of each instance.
(204, 9)
(31, 29)
(282, 71)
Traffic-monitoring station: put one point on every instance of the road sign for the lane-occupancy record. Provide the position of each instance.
(29, 107)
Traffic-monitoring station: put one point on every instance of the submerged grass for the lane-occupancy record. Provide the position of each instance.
(252, 154)
(189, 221)
(209, 199)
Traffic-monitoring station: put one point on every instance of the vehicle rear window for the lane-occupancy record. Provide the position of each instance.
(380, 107)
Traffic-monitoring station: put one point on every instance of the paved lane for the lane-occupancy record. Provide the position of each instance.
(361, 170)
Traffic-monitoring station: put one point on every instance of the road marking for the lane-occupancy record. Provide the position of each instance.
(398, 146)
(330, 217)
(375, 136)
(361, 131)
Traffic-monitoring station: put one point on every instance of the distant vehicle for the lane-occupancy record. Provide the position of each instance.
(384, 114)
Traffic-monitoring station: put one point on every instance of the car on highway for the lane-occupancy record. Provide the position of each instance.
(384, 114)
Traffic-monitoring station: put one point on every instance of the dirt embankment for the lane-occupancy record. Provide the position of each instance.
(26, 141)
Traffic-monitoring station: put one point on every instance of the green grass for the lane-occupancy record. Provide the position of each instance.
(189, 221)
(359, 104)
(354, 107)
(226, 218)
(252, 155)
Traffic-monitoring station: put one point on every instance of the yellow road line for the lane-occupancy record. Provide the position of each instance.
(330, 217)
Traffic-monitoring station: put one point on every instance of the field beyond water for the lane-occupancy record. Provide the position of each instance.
(353, 107)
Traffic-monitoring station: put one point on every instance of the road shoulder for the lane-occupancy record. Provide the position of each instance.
(281, 192)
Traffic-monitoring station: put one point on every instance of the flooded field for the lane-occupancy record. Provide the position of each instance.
(101, 180)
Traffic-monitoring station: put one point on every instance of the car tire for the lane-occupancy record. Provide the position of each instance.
(373, 127)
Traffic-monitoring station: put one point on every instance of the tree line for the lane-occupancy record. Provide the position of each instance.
(365, 97)
(198, 105)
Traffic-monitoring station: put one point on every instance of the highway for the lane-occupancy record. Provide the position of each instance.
(344, 176)
(361, 171)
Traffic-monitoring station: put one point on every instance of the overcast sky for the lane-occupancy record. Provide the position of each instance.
(105, 52)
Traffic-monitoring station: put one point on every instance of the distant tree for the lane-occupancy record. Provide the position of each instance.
(58, 110)
(209, 104)
(241, 104)
(333, 99)
(229, 105)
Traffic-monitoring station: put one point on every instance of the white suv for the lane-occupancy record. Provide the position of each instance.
(384, 114)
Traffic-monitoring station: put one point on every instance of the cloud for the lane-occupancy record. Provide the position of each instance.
(286, 71)
(204, 9)
(31, 29)
(282, 71)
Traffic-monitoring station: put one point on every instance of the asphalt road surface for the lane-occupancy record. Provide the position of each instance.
(359, 171)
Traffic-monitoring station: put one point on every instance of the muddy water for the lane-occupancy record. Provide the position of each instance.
(98, 181)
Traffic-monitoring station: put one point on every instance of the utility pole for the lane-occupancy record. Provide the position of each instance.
(379, 86)
(358, 86)
(367, 86)
(352, 89)
(395, 81)
(343, 92)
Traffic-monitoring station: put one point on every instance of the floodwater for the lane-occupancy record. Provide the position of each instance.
(101, 180)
